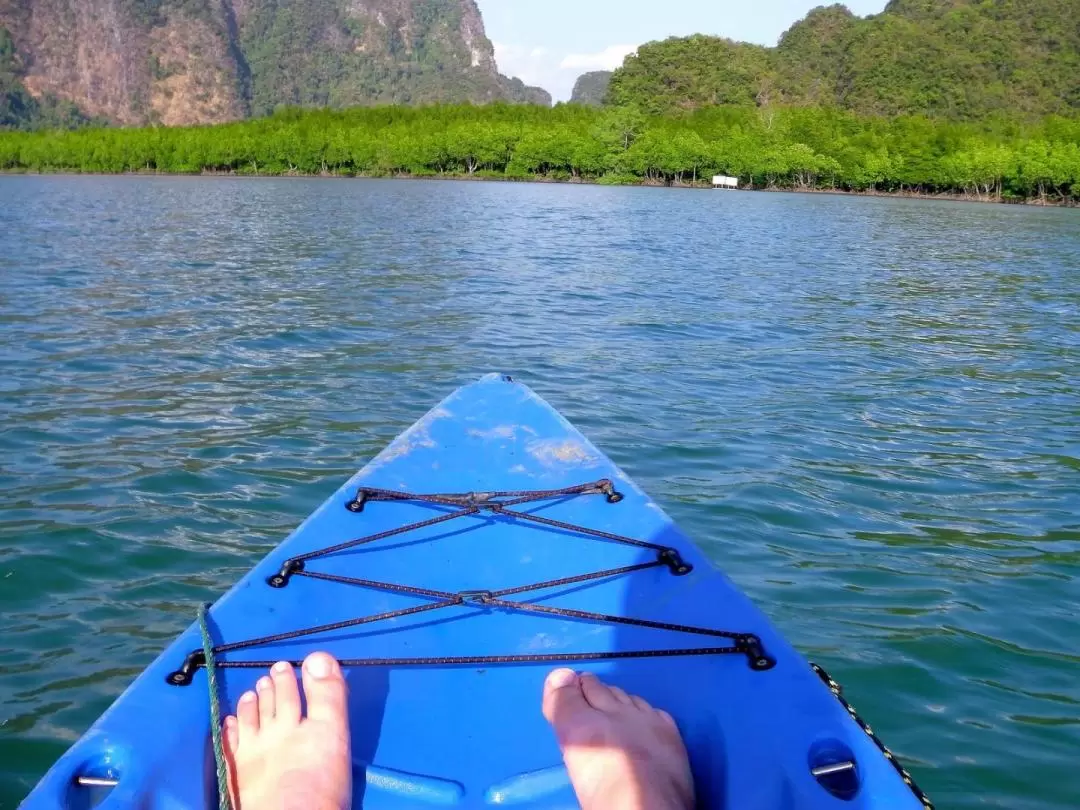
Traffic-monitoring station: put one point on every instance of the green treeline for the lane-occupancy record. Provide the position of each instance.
(789, 147)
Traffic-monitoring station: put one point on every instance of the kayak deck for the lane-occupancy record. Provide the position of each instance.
(499, 505)
(454, 577)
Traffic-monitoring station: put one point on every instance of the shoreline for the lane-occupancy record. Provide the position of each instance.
(579, 181)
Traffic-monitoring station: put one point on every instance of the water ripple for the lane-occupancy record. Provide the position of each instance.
(865, 410)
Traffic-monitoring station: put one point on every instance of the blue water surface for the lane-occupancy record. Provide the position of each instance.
(866, 411)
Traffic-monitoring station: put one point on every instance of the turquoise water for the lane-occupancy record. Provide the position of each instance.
(867, 411)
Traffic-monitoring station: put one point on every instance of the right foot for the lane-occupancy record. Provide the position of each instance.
(620, 752)
(279, 760)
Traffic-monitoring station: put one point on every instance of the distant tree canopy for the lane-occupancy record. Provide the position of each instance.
(955, 59)
(780, 147)
(687, 73)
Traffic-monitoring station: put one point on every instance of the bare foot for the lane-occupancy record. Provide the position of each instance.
(622, 754)
(279, 760)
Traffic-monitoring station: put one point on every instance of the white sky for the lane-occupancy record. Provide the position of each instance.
(551, 42)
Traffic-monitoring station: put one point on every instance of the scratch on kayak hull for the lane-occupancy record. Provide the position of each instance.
(540, 641)
(500, 432)
(414, 438)
(562, 453)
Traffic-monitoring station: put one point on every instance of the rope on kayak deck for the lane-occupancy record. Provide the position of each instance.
(472, 503)
(497, 503)
(215, 710)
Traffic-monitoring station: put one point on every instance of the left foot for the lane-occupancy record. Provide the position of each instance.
(279, 760)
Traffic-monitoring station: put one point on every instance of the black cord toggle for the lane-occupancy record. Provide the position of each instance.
(673, 560)
(475, 597)
(753, 648)
(608, 488)
(281, 578)
(191, 665)
(357, 503)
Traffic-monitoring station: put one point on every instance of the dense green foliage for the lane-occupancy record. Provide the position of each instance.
(591, 88)
(690, 72)
(956, 59)
(800, 148)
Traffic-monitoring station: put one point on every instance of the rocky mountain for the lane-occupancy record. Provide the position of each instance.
(591, 88)
(955, 59)
(177, 62)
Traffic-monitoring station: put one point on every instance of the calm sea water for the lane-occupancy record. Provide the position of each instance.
(867, 411)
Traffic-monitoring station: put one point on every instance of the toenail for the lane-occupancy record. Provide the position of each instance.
(263, 683)
(248, 697)
(282, 666)
(561, 678)
(318, 666)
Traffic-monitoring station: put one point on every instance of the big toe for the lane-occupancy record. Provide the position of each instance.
(564, 702)
(325, 689)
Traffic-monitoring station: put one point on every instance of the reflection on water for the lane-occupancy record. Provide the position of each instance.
(865, 410)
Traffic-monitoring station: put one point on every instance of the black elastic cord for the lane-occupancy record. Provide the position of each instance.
(570, 527)
(470, 504)
(423, 524)
(467, 660)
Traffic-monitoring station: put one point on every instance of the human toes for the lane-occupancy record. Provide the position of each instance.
(619, 695)
(230, 735)
(563, 698)
(325, 689)
(665, 718)
(600, 695)
(286, 693)
(247, 717)
(264, 688)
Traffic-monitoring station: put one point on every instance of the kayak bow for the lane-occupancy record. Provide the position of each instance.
(487, 544)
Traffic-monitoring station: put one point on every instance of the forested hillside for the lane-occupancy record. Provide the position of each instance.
(798, 148)
(18, 108)
(178, 62)
(955, 59)
(591, 88)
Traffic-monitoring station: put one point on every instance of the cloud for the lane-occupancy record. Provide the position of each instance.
(555, 72)
(531, 65)
(607, 59)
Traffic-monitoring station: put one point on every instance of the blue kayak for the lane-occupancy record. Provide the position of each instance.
(488, 544)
